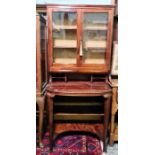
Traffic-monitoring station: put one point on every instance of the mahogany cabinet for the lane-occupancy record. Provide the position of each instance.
(79, 61)
(79, 38)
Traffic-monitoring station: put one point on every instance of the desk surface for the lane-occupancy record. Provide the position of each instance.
(78, 88)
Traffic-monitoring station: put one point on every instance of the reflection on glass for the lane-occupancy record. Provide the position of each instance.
(64, 37)
(94, 38)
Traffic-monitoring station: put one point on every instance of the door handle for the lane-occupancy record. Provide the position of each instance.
(81, 49)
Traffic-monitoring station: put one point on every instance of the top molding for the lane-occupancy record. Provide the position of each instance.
(76, 2)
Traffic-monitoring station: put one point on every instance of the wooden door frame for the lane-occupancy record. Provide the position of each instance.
(79, 67)
(109, 34)
(50, 10)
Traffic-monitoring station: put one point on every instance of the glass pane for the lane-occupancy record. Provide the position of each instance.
(64, 37)
(64, 56)
(94, 38)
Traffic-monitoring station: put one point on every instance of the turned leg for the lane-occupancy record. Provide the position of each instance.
(113, 112)
(106, 118)
(40, 102)
(50, 119)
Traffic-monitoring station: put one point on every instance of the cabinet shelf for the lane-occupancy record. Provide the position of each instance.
(65, 43)
(94, 61)
(64, 47)
(65, 60)
(95, 27)
(77, 104)
(95, 44)
(78, 116)
(95, 48)
(66, 27)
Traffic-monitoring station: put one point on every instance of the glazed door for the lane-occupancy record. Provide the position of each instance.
(63, 36)
(79, 39)
(95, 40)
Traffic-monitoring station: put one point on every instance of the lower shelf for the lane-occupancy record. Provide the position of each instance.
(84, 117)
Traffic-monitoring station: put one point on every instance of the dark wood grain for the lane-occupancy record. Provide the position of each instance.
(78, 88)
(60, 128)
(50, 116)
(106, 118)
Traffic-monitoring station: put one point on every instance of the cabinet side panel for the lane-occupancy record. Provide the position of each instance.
(38, 64)
(49, 17)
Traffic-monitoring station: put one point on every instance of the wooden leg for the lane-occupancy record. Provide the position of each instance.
(111, 141)
(106, 118)
(40, 102)
(113, 112)
(50, 119)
